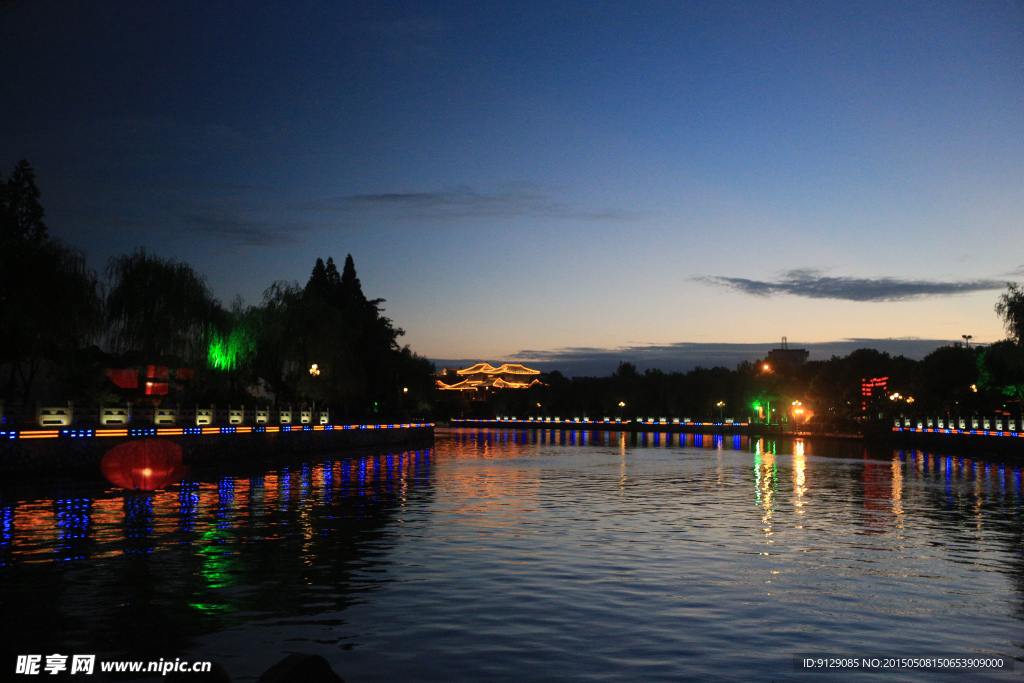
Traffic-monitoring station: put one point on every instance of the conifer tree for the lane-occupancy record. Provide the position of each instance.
(318, 283)
(21, 214)
(49, 297)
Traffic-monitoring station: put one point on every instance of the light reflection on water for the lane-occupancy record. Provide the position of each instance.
(533, 555)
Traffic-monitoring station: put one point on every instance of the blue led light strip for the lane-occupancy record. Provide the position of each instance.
(136, 432)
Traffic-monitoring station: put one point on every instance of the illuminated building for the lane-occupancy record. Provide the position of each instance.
(484, 377)
(871, 389)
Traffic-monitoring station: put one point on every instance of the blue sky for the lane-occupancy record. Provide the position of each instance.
(548, 176)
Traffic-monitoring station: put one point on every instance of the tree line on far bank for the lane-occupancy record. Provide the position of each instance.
(62, 325)
(952, 380)
(60, 322)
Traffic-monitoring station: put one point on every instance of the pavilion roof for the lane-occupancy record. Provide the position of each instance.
(485, 368)
(506, 369)
(517, 369)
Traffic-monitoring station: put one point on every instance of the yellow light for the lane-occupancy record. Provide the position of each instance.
(48, 434)
(767, 367)
(405, 390)
(974, 388)
(147, 472)
(314, 370)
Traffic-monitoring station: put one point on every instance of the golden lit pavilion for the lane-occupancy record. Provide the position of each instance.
(484, 376)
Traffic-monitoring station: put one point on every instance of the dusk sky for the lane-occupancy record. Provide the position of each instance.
(543, 181)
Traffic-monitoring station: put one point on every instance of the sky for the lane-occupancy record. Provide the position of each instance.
(565, 183)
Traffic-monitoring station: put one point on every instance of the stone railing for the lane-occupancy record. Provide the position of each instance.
(69, 416)
(968, 423)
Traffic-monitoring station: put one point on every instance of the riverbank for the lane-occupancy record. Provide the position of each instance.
(63, 451)
(975, 441)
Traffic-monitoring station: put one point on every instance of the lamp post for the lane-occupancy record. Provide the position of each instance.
(720, 404)
(968, 338)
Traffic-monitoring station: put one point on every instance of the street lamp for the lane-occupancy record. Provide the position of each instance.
(720, 404)
(968, 338)
(314, 370)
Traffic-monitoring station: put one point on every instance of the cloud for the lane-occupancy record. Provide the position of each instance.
(814, 285)
(464, 203)
(240, 231)
(685, 356)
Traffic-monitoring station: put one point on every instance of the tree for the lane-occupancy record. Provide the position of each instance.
(49, 298)
(946, 376)
(49, 305)
(158, 307)
(1003, 366)
(1010, 308)
(318, 282)
(21, 214)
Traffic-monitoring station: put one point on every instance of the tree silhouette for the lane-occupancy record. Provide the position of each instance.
(1010, 308)
(21, 214)
(158, 307)
(49, 297)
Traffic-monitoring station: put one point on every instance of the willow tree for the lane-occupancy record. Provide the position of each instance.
(1010, 308)
(157, 307)
(1004, 360)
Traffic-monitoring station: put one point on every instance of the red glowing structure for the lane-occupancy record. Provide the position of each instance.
(144, 465)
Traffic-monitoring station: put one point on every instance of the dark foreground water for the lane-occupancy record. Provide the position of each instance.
(531, 555)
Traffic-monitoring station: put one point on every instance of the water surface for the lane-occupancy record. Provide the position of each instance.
(530, 555)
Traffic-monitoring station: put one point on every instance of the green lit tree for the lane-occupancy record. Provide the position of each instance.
(1003, 370)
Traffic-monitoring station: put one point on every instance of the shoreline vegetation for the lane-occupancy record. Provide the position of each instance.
(149, 334)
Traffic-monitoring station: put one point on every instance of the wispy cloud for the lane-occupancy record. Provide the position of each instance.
(465, 203)
(813, 284)
(240, 231)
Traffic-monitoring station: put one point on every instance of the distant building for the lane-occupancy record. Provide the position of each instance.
(785, 356)
(872, 389)
(484, 377)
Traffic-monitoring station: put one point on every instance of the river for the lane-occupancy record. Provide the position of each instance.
(531, 555)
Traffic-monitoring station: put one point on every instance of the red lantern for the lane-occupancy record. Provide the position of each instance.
(144, 465)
